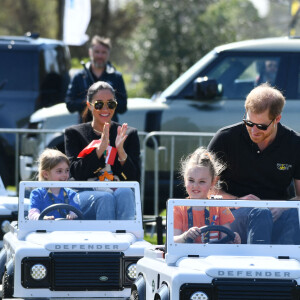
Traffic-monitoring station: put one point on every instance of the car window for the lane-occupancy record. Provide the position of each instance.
(16, 72)
(54, 77)
(238, 74)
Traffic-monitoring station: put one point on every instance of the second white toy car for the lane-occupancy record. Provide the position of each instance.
(207, 271)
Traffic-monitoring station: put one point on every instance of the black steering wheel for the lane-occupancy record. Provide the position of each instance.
(61, 206)
(230, 235)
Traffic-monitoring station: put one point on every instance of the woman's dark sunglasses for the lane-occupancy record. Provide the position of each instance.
(263, 127)
(98, 105)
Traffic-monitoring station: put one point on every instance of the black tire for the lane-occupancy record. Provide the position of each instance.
(7, 289)
(134, 295)
(4, 172)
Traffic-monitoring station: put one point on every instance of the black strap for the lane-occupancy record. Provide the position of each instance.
(191, 223)
(206, 220)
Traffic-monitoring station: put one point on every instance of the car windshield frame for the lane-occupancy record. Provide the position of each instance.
(175, 251)
(24, 225)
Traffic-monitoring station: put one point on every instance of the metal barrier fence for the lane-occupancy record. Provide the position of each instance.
(159, 142)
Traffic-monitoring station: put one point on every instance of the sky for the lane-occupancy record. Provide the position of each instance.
(262, 6)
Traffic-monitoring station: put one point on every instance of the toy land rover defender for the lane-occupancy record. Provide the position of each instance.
(71, 258)
(222, 270)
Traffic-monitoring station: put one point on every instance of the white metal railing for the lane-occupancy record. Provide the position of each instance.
(158, 147)
(17, 132)
(161, 141)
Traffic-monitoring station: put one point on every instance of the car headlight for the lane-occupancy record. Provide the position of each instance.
(131, 271)
(38, 271)
(5, 226)
(199, 296)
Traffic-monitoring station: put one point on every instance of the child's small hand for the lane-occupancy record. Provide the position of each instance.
(71, 216)
(237, 239)
(48, 218)
(192, 233)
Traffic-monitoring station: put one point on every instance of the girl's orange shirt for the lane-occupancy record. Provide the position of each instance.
(217, 216)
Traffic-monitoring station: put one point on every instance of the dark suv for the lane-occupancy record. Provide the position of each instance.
(34, 73)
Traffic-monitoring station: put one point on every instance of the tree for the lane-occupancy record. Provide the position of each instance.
(177, 33)
(19, 17)
(116, 22)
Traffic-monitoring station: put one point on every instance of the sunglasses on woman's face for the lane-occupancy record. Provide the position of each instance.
(99, 104)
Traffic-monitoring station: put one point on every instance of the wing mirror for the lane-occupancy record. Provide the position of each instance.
(207, 89)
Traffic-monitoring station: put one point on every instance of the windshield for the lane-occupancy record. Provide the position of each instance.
(208, 227)
(50, 206)
(55, 202)
(218, 225)
(17, 70)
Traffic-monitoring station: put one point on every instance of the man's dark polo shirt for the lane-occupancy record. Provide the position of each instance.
(266, 174)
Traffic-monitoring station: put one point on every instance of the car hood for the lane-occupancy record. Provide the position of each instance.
(60, 109)
(8, 204)
(144, 103)
(82, 240)
(243, 266)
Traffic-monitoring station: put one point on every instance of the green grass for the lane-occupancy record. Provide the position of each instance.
(153, 239)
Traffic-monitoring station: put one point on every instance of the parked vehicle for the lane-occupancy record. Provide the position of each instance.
(76, 258)
(206, 97)
(34, 73)
(212, 271)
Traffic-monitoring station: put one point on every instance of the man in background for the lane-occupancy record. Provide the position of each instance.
(98, 69)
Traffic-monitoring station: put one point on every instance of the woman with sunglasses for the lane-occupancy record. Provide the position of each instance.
(97, 162)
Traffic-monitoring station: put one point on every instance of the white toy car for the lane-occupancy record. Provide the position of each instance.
(218, 271)
(71, 258)
(8, 210)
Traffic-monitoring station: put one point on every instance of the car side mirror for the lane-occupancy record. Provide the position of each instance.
(206, 89)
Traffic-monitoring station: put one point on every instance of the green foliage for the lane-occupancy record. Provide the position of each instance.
(134, 86)
(19, 17)
(175, 34)
(154, 41)
(153, 238)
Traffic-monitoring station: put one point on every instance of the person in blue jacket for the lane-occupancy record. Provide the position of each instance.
(98, 69)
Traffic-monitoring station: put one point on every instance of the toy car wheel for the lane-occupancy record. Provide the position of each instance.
(61, 206)
(162, 293)
(134, 295)
(7, 290)
(138, 289)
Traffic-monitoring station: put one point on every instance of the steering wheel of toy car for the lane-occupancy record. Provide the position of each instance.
(230, 235)
(61, 206)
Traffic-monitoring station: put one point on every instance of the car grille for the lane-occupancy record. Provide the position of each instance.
(89, 271)
(244, 289)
